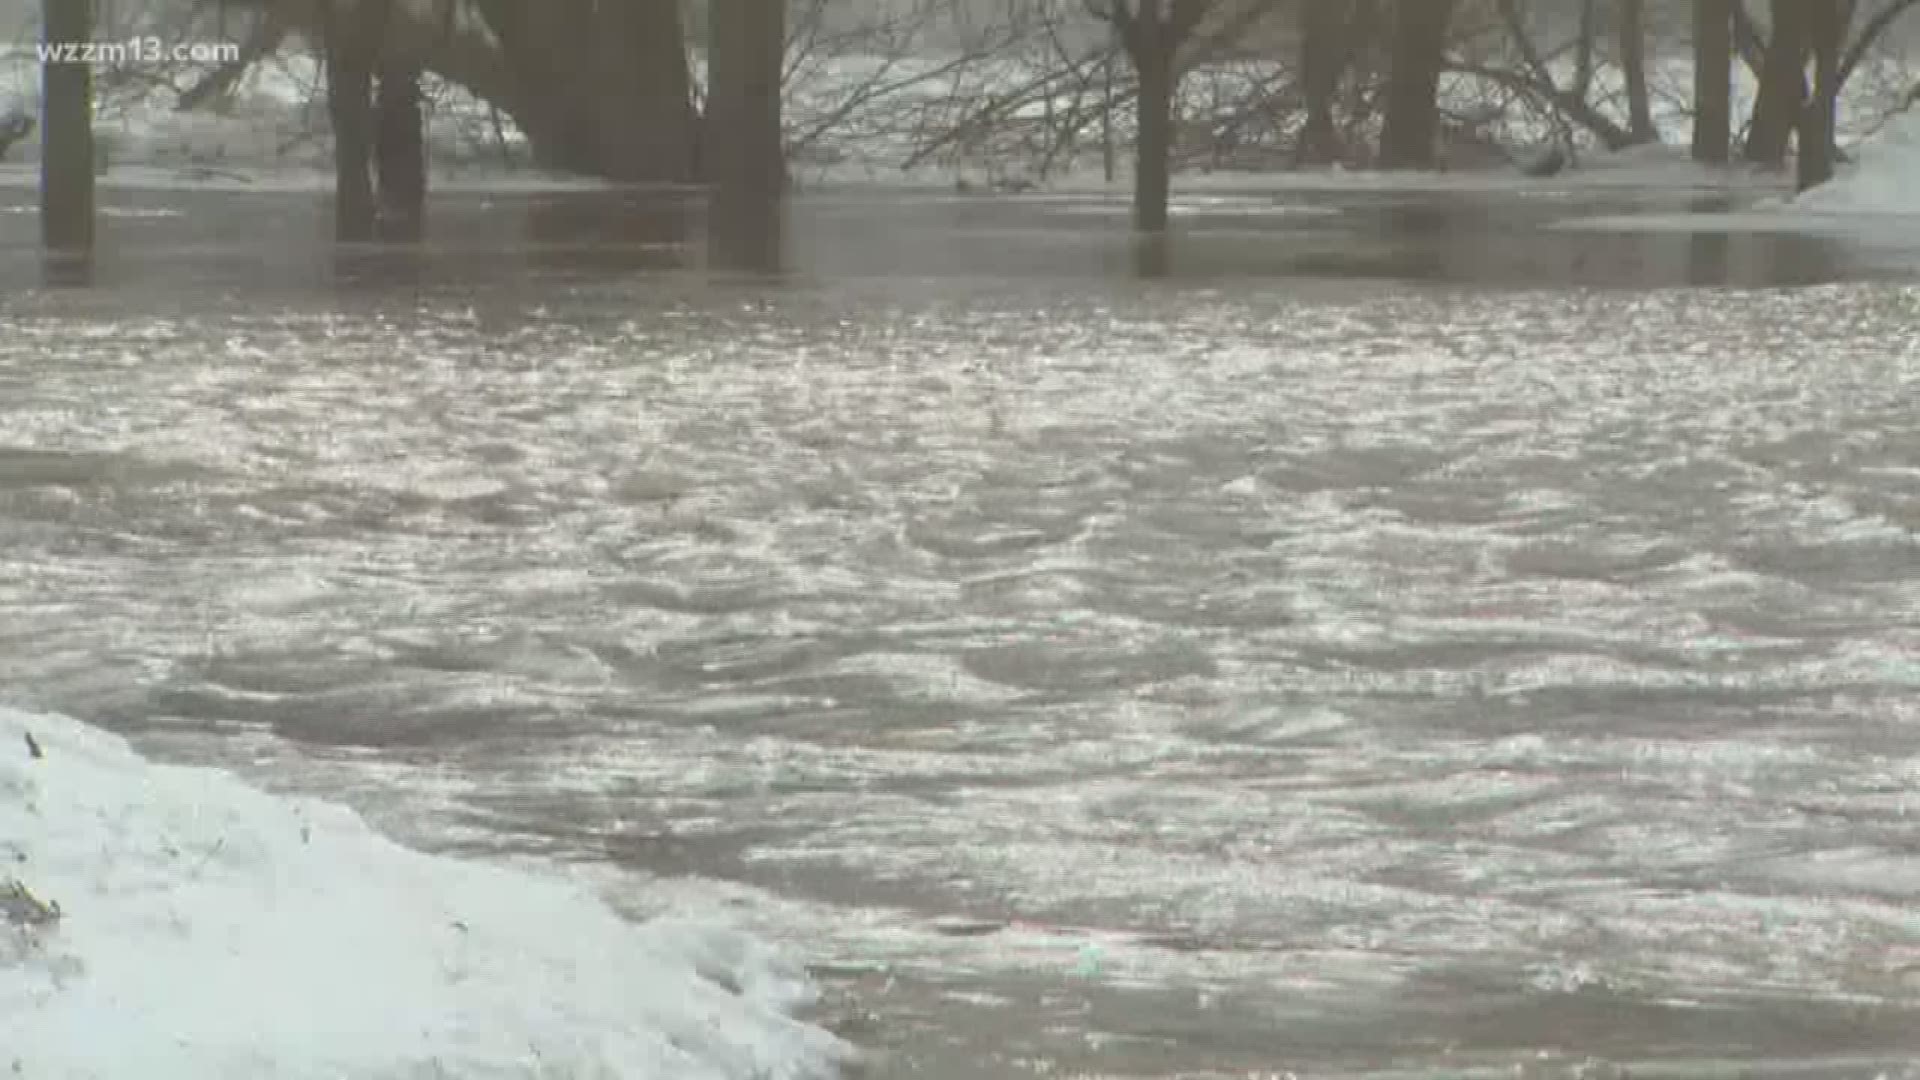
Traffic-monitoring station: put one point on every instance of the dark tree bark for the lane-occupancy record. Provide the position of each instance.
(745, 57)
(351, 38)
(1419, 55)
(1323, 52)
(1783, 89)
(1712, 80)
(600, 89)
(1151, 48)
(1633, 66)
(1826, 29)
(1151, 32)
(745, 147)
(66, 132)
(644, 114)
(400, 152)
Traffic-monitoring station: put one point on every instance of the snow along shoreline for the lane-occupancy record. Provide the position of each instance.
(207, 929)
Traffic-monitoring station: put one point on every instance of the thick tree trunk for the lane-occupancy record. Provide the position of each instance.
(1777, 108)
(1419, 54)
(1323, 52)
(66, 132)
(1152, 53)
(744, 63)
(600, 88)
(351, 40)
(1633, 67)
(400, 152)
(745, 145)
(1826, 34)
(543, 68)
(1712, 80)
(641, 90)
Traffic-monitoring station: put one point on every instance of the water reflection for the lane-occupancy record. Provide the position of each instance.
(67, 269)
(619, 232)
(170, 241)
(380, 267)
(1152, 255)
(747, 232)
(1477, 241)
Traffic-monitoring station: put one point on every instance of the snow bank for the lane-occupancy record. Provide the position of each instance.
(1884, 180)
(206, 929)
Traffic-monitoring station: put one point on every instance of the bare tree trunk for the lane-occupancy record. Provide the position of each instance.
(641, 91)
(66, 132)
(1633, 65)
(746, 153)
(400, 152)
(1152, 32)
(1107, 164)
(1712, 80)
(1413, 112)
(1826, 33)
(1583, 48)
(1152, 57)
(1777, 107)
(600, 88)
(351, 41)
(1323, 51)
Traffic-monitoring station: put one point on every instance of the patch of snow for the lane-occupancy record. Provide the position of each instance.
(204, 928)
(1885, 178)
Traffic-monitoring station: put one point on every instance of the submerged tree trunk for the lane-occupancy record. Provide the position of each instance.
(1633, 67)
(746, 153)
(1826, 34)
(1151, 32)
(1712, 80)
(745, 57)
(400, 152)
(1777, 107)
(1152, 55)
(66, 131)
(1323, 53)
(351, 40)
(1412, 123)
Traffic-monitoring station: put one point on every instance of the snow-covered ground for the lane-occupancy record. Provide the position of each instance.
(206, 929)
(1885, 179)
(1875, 199)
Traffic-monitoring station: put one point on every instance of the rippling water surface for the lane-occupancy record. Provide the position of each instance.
(1097, 677)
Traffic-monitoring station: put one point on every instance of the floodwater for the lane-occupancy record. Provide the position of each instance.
(1367, 637)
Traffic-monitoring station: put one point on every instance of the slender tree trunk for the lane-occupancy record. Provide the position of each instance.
(1323, 50)
(1584, 47)
(745, 149)
(1712, 80)
(1826, 32)
(1782, 94)
(1633, 65)
(400, 152)
(1412, 123)
(1152, 53)
(66, 132)
(351, 41)
(1108, 166)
